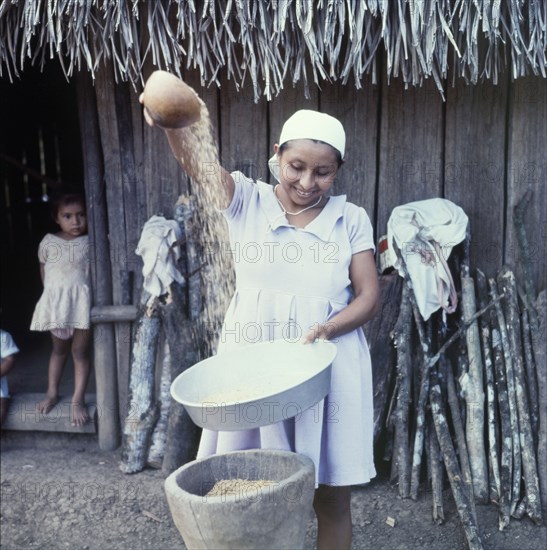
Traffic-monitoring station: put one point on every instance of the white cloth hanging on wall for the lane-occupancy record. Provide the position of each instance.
(159, 255)
(425, 233)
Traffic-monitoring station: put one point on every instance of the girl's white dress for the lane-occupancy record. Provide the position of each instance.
(288, 279)
(66, 299)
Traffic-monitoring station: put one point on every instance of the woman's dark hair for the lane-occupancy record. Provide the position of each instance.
(338, 155)
(63, 197)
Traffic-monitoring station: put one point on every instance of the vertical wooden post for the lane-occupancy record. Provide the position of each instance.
(103, 333)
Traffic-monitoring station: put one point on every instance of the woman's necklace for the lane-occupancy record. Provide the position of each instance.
(300, 211)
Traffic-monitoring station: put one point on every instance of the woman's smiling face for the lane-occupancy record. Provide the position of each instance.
(307, 170)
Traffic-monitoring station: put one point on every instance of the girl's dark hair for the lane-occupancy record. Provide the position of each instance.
(63, 197)
(338, 155)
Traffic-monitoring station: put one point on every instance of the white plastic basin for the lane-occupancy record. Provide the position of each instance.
(255, 385)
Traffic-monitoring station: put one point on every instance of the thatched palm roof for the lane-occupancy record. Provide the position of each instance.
(275, 42)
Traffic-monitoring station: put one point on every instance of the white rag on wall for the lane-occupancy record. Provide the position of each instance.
(159, 255)
(425, 232)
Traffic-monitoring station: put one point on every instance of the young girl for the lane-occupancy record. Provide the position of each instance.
(65, 304)
(314, 278)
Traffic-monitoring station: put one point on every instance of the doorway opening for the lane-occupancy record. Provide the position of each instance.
(40, 149)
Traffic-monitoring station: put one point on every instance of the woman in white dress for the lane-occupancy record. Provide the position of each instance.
(311, 274)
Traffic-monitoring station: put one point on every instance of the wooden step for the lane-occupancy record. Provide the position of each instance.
(22, 415)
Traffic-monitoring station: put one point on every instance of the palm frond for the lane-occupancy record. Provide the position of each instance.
(272, 41)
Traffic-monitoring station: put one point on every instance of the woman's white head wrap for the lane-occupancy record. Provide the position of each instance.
(307, 124)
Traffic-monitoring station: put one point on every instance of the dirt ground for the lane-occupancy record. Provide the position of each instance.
(64, 492)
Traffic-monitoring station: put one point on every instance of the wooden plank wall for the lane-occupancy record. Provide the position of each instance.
(475, 167)
(527, 169)
(482, 148)
(359, 111)
(411, 148)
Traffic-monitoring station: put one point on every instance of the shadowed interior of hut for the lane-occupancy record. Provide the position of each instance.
(40, 149)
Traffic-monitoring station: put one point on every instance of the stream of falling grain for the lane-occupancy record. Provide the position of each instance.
(201, 162)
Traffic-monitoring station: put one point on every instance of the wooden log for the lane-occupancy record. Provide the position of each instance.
(531, 378)
(459, 432)
(391, 430)
(461, 330)
(159, 435)
(462, 368)
(192, 261)
(402, 337)
(388, 450)
(104, 345)
(143, 409)
(512, 400)
(377, 332)
(520, 510)
(519, 214)
(528, 451)
(431, 362)
(506, 457)
(491, 406)
(425, 366)
(435, 461)
(462, 259)
(465, 259)
(538, 344)
(182, 433)
(472, 387)
(463, 504)
(113, 314)
(180, 311)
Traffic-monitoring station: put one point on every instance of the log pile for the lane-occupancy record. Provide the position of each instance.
(158, 431)
(473, 386)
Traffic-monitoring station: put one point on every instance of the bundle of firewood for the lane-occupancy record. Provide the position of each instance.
(470, 392)
(158, 432)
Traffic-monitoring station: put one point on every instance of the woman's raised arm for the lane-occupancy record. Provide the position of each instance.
(202, 168)
(176, 108)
